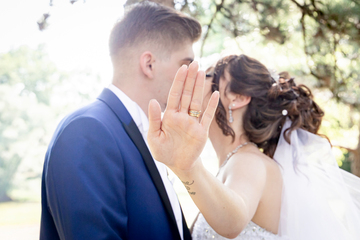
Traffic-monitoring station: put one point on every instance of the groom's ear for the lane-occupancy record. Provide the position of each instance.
(239, 101)
(147, 60)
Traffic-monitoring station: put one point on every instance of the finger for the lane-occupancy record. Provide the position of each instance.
(177, 89)
(154, 120)
(210, 110)
(197, 98)
(189, 87)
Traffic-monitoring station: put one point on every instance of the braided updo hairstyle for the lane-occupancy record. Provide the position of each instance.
(271, 103)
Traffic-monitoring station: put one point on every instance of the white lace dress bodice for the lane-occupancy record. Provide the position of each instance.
(202, 230)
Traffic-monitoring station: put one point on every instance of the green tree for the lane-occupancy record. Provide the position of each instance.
(33, 95)
(26, 80)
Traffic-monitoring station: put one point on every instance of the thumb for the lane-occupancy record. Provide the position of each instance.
(154, 119)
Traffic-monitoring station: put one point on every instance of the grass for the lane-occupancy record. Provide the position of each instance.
(20, 220)
(20, 213)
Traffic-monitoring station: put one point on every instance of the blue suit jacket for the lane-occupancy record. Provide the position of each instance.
(100, 181)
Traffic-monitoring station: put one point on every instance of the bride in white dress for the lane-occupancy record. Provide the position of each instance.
(291, 189)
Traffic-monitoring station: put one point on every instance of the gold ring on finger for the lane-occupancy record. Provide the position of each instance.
(194, 113)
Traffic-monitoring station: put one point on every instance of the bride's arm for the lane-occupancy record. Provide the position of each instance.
(178, 139)
(228, 207)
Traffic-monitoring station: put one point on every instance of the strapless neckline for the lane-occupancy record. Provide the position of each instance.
(252, 231)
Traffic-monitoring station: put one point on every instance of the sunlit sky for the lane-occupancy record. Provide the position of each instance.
(77, 36)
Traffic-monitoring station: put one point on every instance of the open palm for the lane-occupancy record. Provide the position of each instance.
(178, 139)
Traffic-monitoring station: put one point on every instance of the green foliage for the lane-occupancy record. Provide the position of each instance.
(340, 122)
(331, 32)
(30, 71)
(342, 131)
(327, 33)
(33, 95)
(24, 79)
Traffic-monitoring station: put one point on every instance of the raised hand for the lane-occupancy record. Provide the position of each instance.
(178, 139)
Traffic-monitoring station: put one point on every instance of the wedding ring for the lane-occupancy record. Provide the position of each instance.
(194, 113)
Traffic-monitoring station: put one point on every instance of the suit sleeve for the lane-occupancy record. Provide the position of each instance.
(85, 183)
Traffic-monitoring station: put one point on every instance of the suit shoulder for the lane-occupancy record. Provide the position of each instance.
(97, 111)
(94, 110)
(93, 119)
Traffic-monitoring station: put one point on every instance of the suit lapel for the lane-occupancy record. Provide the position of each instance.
(132, 130)
(138, 140)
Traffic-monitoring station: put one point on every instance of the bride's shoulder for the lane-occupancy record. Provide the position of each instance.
(243, 170)
(251, 161)
(247, 161)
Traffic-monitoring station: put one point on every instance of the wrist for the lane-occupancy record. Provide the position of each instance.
(188, 175)
(191, 178)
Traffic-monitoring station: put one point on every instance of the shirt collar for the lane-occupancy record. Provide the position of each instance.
(137, 114)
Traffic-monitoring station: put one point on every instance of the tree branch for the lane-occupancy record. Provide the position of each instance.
(218, 8)
(350, 150)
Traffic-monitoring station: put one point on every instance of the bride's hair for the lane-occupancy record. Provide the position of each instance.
(271, 102)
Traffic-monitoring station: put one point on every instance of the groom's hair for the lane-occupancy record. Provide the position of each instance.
(163, 28)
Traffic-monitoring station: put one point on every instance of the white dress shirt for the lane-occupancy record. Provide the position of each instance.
(142, 123)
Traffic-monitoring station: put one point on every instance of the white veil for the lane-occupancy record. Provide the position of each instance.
(320, 201)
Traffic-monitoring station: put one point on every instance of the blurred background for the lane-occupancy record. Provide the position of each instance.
(54, 59)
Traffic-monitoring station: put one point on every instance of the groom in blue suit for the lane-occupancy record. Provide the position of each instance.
(100, 180)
